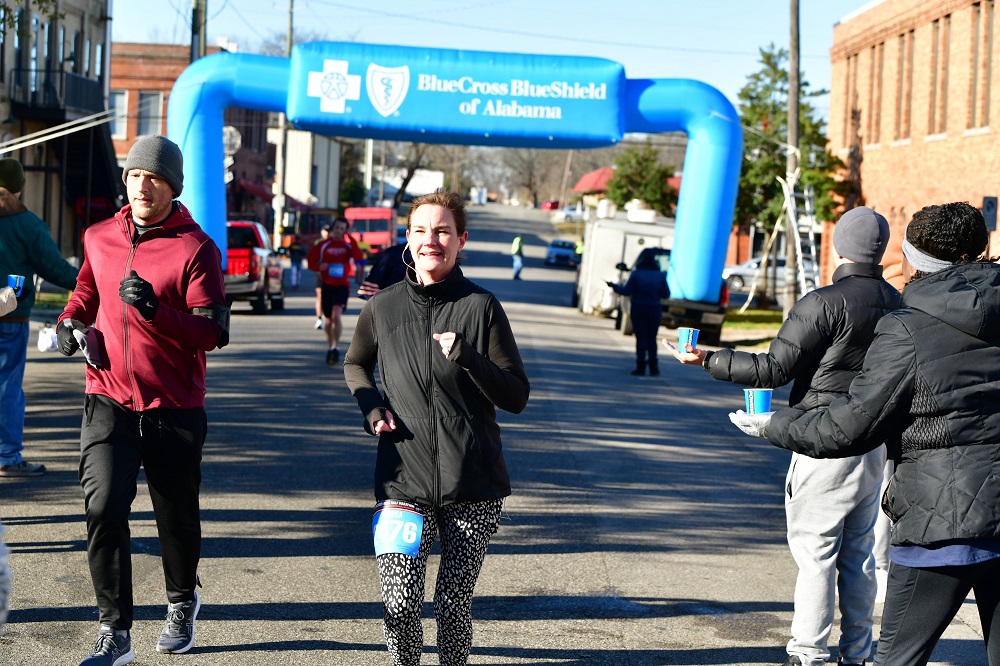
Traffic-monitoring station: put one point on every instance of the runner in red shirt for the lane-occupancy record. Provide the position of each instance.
(334, 259)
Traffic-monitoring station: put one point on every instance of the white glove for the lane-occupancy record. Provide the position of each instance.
(754, 425)
(90, 346)
(8, 301)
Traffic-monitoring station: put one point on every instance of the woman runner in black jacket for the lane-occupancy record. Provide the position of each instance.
(447, 359)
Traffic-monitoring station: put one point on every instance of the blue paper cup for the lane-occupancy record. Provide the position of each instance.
(16, 282)
(687, 336)
(757, 401)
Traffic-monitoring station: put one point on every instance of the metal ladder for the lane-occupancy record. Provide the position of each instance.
(803, 218)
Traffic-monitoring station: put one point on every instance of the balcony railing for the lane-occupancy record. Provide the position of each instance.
(50, 90)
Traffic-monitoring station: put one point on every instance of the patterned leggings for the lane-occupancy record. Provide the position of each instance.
(465, 531)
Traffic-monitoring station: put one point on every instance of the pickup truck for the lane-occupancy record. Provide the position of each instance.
(254, 271)
(707, 317)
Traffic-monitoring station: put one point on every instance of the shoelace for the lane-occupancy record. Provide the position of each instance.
(175, 620)
(105, 644)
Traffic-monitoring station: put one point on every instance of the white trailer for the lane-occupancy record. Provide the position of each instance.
(607, 243)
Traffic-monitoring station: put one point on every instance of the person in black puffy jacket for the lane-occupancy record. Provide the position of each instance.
(448, 360)
(831, 506)
(932, 378)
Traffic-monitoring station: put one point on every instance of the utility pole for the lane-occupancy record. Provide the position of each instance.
(281, 154)
(791, 229)
(199, 8)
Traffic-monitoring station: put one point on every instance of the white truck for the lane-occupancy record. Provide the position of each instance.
(611, 247)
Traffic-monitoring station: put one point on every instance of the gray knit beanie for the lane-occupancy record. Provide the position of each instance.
(861, 235)
(159, 155)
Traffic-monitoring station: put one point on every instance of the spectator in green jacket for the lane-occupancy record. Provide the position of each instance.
(26, 249)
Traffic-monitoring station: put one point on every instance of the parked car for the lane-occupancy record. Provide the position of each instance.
(739, 277)
(561, 253)
(254, 271)
(568, 214)
(551, 204)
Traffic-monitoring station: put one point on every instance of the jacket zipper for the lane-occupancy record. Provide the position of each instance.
(127, 347)
(435, 452)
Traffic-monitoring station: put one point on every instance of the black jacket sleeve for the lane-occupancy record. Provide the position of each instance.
(359, 369)
(800, 342)
(500, 373)
(875, 409)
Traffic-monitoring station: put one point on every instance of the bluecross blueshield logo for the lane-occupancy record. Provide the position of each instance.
(387, 87)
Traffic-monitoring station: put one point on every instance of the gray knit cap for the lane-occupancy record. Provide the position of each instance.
(159, 155)
(861, 235)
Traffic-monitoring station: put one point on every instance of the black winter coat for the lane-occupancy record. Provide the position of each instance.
(823, 342)
(446, 446)
(932, 375)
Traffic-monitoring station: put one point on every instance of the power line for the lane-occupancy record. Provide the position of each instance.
(538, 35)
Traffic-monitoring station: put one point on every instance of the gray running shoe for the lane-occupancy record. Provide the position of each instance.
(177, 636)
(22, 469)
(111, 649)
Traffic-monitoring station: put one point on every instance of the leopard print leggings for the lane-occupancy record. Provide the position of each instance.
(465, 530)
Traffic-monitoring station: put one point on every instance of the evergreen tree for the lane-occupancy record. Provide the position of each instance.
(763, 107)
(639, 175)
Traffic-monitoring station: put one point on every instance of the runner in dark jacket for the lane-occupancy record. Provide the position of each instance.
(932, 375)
(447, 359)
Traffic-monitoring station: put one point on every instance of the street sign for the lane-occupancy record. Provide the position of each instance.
(990, 212)
(231, 140)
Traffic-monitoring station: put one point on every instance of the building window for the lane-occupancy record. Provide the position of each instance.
(851, 97)
(148, 114)
(940, 48)
(876, 134)
(99, 61)
(118, 103)
(904, 86)
(61, 46)
(982, 61)
(86, 57)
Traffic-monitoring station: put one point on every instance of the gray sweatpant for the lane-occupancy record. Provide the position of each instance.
(830, 508)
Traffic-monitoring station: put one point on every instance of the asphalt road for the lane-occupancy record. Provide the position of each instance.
(643, 530)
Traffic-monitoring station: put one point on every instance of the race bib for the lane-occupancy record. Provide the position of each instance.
(335, 270)
(397, 527)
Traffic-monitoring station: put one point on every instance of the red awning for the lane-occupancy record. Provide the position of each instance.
(595, 181)
(263, 192)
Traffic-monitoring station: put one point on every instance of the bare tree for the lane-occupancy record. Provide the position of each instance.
(404, 161)
(535, 170)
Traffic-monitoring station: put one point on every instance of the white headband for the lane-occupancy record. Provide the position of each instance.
(922, 261)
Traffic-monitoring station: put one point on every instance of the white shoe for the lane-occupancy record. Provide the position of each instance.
(882, 581)
(319, 324)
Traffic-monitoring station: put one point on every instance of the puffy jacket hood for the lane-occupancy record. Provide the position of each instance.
(966, 297)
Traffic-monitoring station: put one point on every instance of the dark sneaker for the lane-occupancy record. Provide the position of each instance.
(111, 649)
(793, 660)
(332, 356)
(23, 468)
(177, 636)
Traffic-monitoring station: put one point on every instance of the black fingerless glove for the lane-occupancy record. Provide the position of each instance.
(139, 294)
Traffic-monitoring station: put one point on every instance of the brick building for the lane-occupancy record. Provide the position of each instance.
(915, 87)
(142, 76)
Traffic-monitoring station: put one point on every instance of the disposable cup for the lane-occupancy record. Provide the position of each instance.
(687, 336)
(16, 282)
(757, 400)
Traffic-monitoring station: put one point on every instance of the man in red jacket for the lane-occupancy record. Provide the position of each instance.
(148, 306)
(334, 259)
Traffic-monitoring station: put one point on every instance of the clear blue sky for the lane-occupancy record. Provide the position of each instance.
(715, 41)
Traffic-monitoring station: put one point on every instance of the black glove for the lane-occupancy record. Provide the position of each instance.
(65, 339)
(610, 284)
(139, 294)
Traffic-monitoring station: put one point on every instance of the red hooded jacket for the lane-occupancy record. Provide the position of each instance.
(160, 363)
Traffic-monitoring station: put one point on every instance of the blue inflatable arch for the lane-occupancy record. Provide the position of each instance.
(474, 98)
